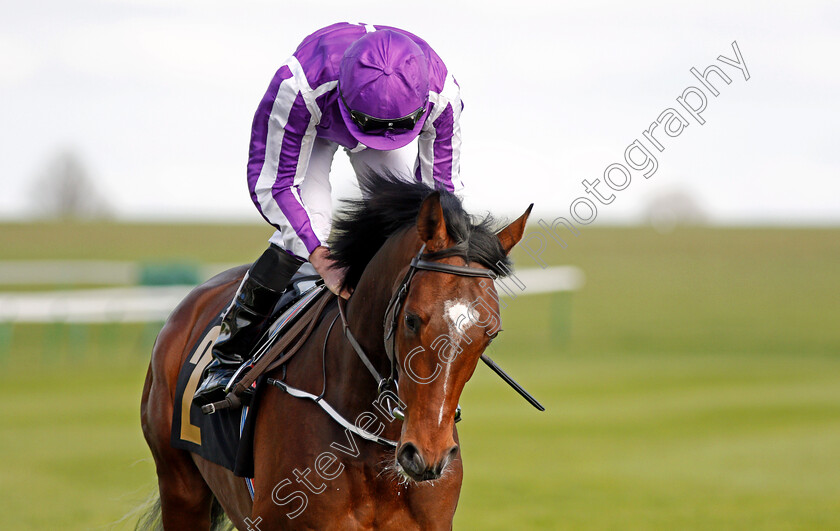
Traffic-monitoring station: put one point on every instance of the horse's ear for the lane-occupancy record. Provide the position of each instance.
(510, 235)
(431, 226)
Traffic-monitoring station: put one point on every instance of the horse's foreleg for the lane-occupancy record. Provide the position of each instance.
(185, 497)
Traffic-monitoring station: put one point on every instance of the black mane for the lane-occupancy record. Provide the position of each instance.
(389, 205)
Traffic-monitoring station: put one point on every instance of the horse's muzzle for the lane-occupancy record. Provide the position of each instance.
(412, 463)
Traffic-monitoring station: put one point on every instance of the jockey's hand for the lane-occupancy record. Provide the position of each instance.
(326, 267)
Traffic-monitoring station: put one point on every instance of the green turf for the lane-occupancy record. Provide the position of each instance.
(698, 387)
(74, 455)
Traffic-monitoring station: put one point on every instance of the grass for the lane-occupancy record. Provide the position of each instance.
(74, 455)
(697, 387)
(655, 442)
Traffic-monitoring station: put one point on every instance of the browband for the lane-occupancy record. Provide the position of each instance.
(464, 271)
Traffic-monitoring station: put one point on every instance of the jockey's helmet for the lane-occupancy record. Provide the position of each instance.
(383, 87)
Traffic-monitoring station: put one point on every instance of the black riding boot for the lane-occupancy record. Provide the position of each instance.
(244, 320)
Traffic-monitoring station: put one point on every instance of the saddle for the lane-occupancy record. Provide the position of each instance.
(292, 323)
(225, 437)
(302, 282)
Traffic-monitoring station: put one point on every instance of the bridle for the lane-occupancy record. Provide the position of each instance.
(420, 262)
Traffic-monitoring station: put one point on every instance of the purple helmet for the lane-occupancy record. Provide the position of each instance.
(383, 89)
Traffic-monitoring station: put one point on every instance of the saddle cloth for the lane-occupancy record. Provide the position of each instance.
(226, 437)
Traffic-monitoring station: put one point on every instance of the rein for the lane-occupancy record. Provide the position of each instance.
(419, 263)
(392, 311)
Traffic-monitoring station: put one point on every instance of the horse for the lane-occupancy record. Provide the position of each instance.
(422, 311)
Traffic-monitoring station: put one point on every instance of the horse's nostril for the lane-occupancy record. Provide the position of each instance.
(453, 453)
(415, 466)
(411, 460)
(448, 458)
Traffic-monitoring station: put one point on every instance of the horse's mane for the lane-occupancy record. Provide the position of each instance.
(389, 205)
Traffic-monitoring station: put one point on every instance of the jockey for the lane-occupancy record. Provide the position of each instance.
(383, 95)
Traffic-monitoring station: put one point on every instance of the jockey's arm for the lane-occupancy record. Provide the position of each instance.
(439, 143)
(281, 145)
(332, 275)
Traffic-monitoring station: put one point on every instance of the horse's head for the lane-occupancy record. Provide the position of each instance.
(447, 319)
(414, 256)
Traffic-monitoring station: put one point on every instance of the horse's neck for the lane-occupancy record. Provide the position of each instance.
(365, 315)
(367, 307)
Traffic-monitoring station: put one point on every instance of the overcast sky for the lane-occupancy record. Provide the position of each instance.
(157, 98)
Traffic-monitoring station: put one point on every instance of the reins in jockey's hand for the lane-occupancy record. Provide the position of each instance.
(300, 331)
(303, 329)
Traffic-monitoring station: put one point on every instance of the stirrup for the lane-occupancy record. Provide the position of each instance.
(225, 399)
(238, 374)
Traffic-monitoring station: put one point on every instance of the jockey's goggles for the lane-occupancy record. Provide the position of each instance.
(369, 124)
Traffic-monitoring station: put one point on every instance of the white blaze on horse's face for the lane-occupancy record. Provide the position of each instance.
(457, 314)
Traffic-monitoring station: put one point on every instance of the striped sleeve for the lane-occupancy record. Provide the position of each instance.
(439, 146)
(282, 137)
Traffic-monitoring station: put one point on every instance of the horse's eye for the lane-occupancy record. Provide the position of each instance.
(412, 322)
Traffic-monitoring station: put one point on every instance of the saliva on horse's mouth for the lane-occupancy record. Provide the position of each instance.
(404, 477)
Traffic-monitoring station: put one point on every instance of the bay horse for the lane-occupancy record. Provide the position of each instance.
(417, 264)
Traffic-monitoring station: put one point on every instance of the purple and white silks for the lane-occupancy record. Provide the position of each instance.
(301, 106)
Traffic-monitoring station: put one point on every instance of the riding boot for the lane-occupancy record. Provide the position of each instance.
(244, 320)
